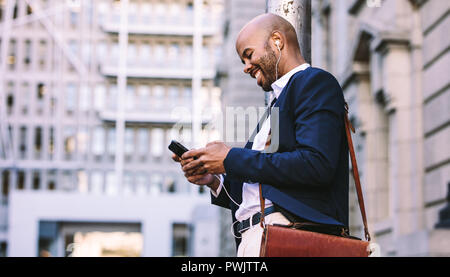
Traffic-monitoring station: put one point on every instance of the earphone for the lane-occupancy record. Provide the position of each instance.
(277, 43)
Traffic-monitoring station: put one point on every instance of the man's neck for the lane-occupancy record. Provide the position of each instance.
(291, 64)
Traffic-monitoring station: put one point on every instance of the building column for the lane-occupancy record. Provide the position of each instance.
(405, 137)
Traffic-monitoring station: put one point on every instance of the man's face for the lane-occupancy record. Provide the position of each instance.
(259, 59)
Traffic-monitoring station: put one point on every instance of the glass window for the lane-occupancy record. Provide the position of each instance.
(141, 184)
(42, 54)
(131, 53)
(97, 182)
(160, 12)
(160, 53)
(157, 142)
(145, 55)
(146, 12)
(188, 56)
(38, 142)
(206, 57)
(51, 180)
(69, 136)
(111, 141)
(74, 18)
(67, 181)
(71, 98)
(143, 141)
(128, 187)
(186, 135)
(155, 184)
(132, 12)
(169, 184)
(111, 183)
(74, 47)
(99, 96)
(158, 97)
(25, 99)
(112, 97)
(41, 90)
(101, 51)
(21, 180)
(12, 54)
(173, 53)
(82, 139)
(98, 141)
(129, 141)
(144, 97)
(129, 98)
(86, 53)
(174, 95)
(114, 53)
(102, 11)
(188, 96)
(180, 239)
(36, 180)
(85, 98)
(82, 181)
(23, 142)
(28, 54)
(51, 143)
(10, 98)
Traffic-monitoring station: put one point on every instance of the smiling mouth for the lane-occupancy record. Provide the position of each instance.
(257, 74)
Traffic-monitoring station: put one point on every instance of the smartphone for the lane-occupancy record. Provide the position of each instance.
(177, 148)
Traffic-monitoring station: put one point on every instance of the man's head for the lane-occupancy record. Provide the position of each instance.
(264, 42)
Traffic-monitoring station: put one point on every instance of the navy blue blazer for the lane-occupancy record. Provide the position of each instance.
(308, 174)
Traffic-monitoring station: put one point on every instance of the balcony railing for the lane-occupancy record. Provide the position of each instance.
(160, 29)
(159, 73)
(162, 24)
(171, 116)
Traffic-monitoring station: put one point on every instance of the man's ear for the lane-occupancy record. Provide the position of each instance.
(278, 40)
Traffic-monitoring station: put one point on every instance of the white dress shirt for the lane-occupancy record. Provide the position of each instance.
(250, 191)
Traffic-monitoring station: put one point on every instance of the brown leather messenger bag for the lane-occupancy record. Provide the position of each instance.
(290, 241)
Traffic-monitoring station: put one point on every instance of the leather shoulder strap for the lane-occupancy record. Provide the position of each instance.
(362, 208)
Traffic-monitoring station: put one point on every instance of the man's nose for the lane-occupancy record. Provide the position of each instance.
(247, 67)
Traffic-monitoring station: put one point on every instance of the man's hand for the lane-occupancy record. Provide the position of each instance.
(193, 177)
(209, 159)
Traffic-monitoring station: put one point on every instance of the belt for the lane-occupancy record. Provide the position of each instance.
(254, 219)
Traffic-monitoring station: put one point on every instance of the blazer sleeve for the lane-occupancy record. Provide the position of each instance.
(318, 110)
(222, 200)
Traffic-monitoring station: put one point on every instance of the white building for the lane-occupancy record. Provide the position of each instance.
(84, 128)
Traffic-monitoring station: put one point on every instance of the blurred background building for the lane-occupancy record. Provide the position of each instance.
(92, 93)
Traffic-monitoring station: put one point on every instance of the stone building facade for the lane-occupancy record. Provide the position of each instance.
(392, 60)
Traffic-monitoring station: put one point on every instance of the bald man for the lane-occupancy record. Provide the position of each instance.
(304, 176)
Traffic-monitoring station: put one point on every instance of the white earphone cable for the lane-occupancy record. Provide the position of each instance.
(278, 61)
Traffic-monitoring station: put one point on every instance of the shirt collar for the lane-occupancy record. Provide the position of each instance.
(279, 84)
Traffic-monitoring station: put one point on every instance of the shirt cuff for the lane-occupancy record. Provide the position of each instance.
(217, 192)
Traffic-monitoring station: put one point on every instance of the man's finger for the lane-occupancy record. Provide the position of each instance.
(176, 158)
(185, 162)
(192, 165)
(213, 142)
(195, 178)
(196, 171)
(195, 153)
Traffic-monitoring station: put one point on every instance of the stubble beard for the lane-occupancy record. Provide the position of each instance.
(267, 63)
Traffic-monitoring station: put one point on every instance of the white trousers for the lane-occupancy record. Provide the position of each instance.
(251, 239)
